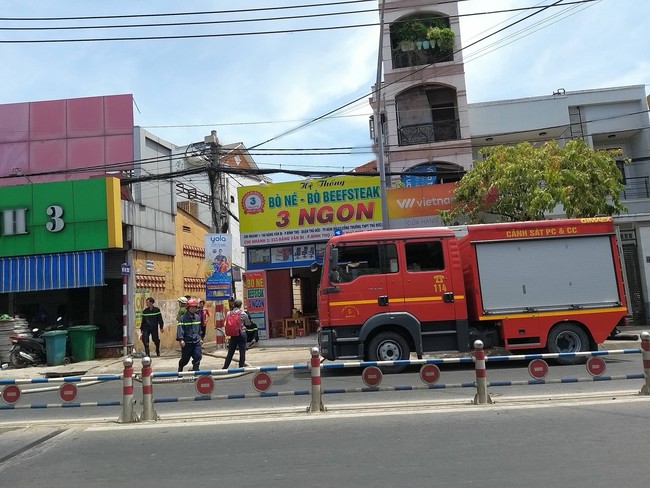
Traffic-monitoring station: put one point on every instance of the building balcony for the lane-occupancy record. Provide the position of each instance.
(441, 130)
(636, 187)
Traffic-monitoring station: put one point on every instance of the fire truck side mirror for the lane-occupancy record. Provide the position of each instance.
(334, 257)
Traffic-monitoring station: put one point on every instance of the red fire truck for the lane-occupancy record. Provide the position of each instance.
(546, 285)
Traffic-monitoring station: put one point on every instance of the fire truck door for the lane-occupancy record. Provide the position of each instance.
(428, 287)
(360, 283)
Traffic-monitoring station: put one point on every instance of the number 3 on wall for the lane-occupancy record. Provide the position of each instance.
(56, 223)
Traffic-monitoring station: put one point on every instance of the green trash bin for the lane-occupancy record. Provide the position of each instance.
(82, 342)
(55, 346)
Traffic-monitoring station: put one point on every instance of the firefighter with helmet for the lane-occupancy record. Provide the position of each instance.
(182, 307)
(188, 335)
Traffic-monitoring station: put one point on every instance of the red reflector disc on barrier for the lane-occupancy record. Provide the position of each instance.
(538, 369)
(372, 376)
(596, 366)
(204, 385)
(11, 394)
(68, 392)
(262, 381)
(430, 374)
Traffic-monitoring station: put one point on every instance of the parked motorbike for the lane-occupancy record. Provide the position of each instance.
(30, 350)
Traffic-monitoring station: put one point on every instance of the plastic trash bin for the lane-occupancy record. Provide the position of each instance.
(82, 342)
(55, 346)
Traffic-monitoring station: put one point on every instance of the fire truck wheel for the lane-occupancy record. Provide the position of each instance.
(568, 337)
(389, 346)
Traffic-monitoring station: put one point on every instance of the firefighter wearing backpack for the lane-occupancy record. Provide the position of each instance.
(188, 335)
(236, 322)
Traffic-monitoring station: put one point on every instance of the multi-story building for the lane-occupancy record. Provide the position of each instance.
(422, 100)
(608, 118)
(85, 192)
(428, 126)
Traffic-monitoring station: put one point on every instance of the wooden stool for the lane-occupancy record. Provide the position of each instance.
(291, 331)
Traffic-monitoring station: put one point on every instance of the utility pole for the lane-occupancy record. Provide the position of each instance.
(379, 129)
(217, 185)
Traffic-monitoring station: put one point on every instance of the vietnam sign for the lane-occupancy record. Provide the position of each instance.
(60, 217)
(419, 206)
(308, 210)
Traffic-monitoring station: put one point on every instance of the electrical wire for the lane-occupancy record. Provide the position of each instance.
(330, 151)
(404, 77)
(219, 35)
(209, 12)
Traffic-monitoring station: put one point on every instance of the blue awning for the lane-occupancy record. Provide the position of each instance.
(52, 271)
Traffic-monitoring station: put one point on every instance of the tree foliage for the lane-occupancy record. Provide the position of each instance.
(525, 182)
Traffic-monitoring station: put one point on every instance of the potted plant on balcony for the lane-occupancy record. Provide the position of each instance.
(433, 34)
(446, 39)
(443, 37)
(407, 32)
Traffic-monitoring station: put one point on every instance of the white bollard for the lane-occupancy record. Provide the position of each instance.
(128, 415)
(148, 412)
(645, 352)
(482, 397)
(316, 396)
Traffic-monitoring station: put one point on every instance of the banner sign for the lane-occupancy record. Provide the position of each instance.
(309, 210)
(65, 216)
(410, 180)
(218, 267)
(255, 302)
(285, 256)
(419, 206)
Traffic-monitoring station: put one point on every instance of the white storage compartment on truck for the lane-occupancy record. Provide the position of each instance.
(546, 274)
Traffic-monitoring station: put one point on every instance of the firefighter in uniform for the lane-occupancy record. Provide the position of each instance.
(151, 320)
(188, 335)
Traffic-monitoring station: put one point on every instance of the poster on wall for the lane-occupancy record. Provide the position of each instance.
(255, 299)
(140, 303)
(218, 267)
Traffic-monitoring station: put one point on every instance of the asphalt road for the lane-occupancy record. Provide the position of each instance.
(577, 444)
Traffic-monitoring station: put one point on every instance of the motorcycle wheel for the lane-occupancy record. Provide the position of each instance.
(16, 360)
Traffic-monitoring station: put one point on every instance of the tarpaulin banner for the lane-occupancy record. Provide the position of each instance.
(218, 267)
(308, 210)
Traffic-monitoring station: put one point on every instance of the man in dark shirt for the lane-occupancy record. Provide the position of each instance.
(188, 335)
(151, 320)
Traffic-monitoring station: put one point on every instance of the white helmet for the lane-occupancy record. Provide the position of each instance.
(182, 300)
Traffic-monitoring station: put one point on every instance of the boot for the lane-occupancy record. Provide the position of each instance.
(146, 351)
(158, 349)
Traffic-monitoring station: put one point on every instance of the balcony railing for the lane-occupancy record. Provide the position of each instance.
(636, 187)
(441, 130)
(405, 59)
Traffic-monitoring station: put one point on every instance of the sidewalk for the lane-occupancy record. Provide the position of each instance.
(271, 352)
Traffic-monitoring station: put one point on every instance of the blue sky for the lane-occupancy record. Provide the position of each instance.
(254, 88)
